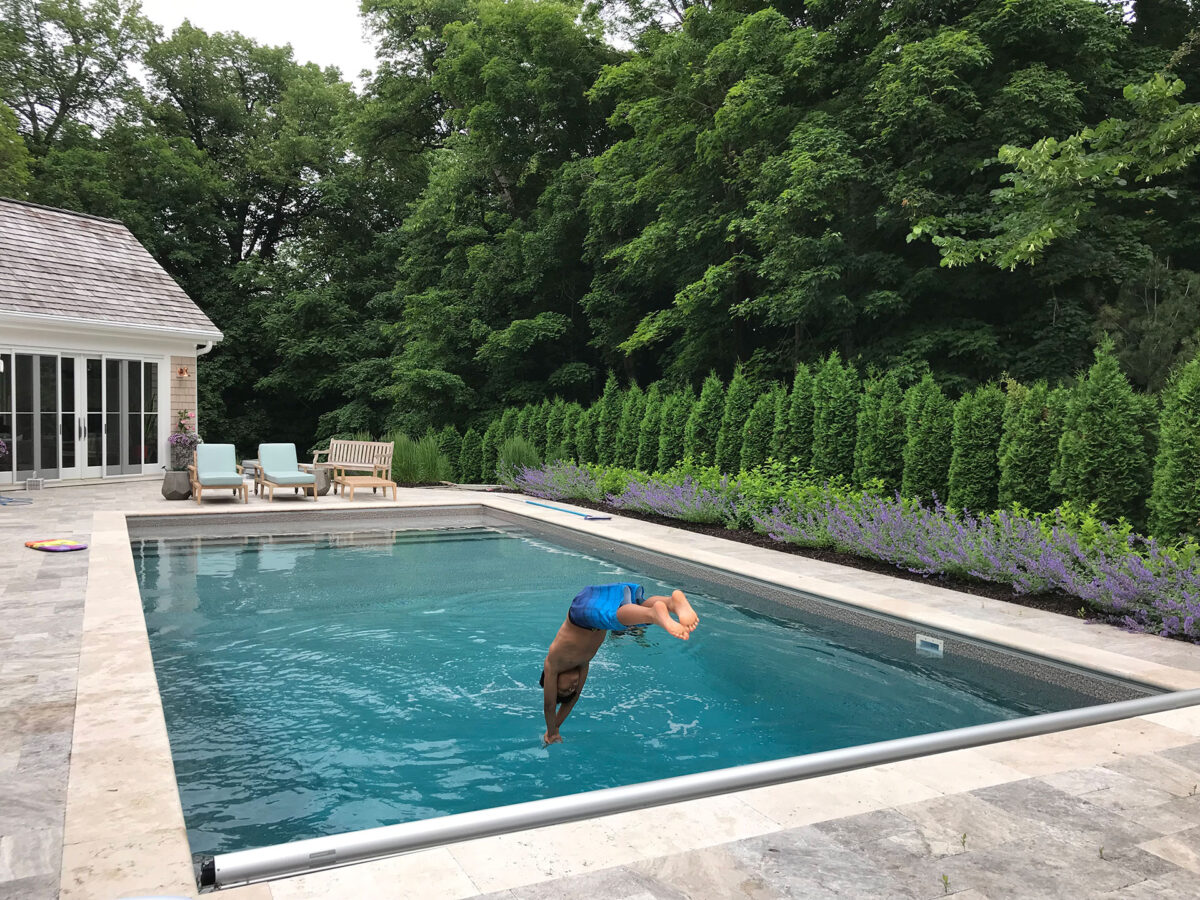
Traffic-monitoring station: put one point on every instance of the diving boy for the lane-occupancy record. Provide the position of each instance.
(594, 612)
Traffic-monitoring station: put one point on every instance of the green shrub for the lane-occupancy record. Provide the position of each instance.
(450, 443)
(1029, 439)
(835, 418)
(418, 462)
(975, 443)
(1175, 500)
(879, 445)
(758, 431)
(626, 438)
(489, 452)
(794, 432)
(535, 430)
(1102, 451)
(585, 435)
(470, 457)
(566, 443)
(554, 426)
(607, 420)
(928, 425)
(646, 457)
(516, 454)
(677, 409)
(739, 400)
(508, 425)
(704, 422)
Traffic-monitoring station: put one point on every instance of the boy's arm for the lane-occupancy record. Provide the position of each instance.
(550, 702)
(565, 709)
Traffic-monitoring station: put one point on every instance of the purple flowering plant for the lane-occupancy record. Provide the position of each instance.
(1130, 580)
(182, 442)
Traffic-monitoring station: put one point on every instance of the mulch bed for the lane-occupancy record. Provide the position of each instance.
(1056, 602)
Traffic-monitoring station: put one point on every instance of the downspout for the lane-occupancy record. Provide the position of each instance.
(202, 349)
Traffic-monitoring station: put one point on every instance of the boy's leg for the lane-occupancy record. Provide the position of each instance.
(648, 613)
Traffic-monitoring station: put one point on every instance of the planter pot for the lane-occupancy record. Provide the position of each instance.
(324, 478)
(176, 486)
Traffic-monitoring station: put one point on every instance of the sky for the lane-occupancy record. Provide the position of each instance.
(327, 32)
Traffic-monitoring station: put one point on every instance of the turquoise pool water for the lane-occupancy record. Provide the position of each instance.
(322, 684)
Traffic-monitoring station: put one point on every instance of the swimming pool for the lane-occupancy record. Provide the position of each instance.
(321, 683)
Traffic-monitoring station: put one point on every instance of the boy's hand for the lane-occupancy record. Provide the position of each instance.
(551, 738)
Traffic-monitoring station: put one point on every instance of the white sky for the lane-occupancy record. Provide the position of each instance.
(327, 32)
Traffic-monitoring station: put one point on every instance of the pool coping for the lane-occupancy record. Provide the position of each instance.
(125, 831)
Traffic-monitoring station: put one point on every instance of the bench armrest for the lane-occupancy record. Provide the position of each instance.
(318, 453)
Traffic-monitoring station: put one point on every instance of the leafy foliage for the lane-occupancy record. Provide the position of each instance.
(1175, 500)
(703, 425)
(879, 444)
(835, 417)
(928, 426)
(1028, 448)
(974, 466)
(739, 400)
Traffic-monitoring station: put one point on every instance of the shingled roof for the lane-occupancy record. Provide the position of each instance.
(68, 265)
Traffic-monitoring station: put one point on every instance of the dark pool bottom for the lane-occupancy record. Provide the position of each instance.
(385, 670)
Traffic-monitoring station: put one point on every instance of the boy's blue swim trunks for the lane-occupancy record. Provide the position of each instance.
(595, 607)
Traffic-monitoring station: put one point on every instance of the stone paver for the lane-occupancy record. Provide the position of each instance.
(1107, 812)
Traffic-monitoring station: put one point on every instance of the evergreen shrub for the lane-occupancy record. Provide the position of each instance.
(1029, 439)
(928, 425)
(739, 401)
(1175, 499)
(470, 458)
(649, 430)
(975, 443)
(879, 443)
(704, 422)
(676, 411)
(835, 395)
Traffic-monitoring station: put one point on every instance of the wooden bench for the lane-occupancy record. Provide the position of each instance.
(357, 456)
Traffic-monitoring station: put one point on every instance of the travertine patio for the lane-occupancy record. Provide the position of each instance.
(1112, 810)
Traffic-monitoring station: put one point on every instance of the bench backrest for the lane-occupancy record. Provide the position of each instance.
(372, 453)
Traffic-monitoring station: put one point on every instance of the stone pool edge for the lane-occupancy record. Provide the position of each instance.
(124, 824)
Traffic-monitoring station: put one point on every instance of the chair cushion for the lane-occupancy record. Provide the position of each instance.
(219, 480)
(278, 458)
(288, 478)
(216, 461)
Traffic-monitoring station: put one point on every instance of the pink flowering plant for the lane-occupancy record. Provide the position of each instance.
(182, 442)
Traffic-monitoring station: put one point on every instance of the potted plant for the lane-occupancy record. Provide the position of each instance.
(181, 444)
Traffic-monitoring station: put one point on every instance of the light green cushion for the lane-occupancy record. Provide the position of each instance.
(294, 478)
(278, 463)
(216, 466)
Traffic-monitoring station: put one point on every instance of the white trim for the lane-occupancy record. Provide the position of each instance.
(104, 327)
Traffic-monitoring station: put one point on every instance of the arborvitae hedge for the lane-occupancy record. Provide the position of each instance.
(1102, 451)
(566, 443)
(536, 430)
(585, 435)
(879, 445)
(506, 427)
(607, 412)
(1029, 439)
(835, 417)
(739, 400)
(758, 431)
(470, 457)
(793, 441)
(1175, 500)
(554, 428)
(974, 466)
(928, 424)
(633, 404)
(493, 437)
(646, 457)
(525, 415)
(450, 443)
(704, 423)
(677, 410)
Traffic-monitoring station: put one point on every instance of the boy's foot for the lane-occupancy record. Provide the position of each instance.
(673, 627)
(687, 616)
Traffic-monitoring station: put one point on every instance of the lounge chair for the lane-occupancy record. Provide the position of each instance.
(277, 467)
(215, 466)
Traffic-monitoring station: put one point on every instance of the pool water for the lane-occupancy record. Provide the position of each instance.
(322, 684)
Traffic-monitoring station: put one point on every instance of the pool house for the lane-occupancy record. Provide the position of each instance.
(98, 348)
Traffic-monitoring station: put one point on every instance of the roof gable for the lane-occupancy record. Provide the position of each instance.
(61, 264)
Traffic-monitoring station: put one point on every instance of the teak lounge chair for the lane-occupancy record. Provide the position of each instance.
(215, 466)
(277, 467)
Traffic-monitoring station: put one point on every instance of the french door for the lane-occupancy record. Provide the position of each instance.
(77, 416)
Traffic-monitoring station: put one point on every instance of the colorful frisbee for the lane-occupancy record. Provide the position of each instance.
(56, 545)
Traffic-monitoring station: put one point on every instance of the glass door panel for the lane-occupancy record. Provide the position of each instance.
(24, 442)
(150, 421)
(68, 428)
(6, 417)
(93, 424)
(48, 416)
(113, 396)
